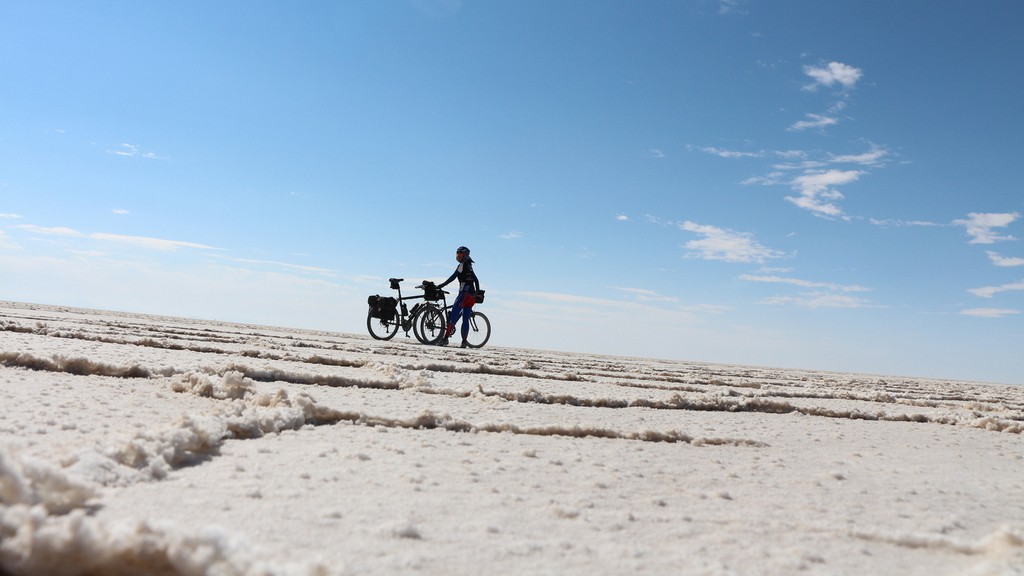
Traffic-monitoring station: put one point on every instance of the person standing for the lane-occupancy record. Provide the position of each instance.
(463, 304)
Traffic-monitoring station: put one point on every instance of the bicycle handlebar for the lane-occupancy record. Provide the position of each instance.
(422, 287)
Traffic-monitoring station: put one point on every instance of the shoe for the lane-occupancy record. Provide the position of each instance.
(443, 341)
(449, 331)
(465, 344)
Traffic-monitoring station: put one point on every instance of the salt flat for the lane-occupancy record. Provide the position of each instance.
(137, 444)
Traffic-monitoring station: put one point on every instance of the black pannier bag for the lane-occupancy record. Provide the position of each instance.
(431, 292)
(382, 307)
(480, 296)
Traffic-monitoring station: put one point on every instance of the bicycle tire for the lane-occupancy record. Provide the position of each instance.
(416, 321)
(431, 325)
(479, 330)
(382, 329)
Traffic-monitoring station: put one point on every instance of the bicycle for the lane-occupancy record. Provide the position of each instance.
(433, 322)
(387, 314)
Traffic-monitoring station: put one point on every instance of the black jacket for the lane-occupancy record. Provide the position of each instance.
(467, 278)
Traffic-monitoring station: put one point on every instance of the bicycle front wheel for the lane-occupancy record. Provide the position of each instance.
(430, 325)
(479, 330)
(417, 322)
(382, 329)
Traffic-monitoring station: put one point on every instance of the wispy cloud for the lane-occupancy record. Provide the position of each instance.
(989, 312)
(1004, 261)
(140, 241)
(299, 267)
(120, 211)
(731, 153)
(726, 245)
(821, 300)
(642, 300)
(656, 153)
(133, 151)
(812, 121)
(872, 157)
(4, 241)
(990, 291)
(50, 231)
(730, 7)
(513, 235)
(622, 218)
(980, 226)
(831, 74)
(894, 223)
(770, 179)
(803, 283)
(726, 153)
(817, 190)
(151, 243)
(10, 215)
(645, 295)
(574, 299)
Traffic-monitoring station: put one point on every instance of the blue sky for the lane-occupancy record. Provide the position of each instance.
(824, 185)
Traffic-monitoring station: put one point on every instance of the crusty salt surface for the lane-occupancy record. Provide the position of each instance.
(133, 443)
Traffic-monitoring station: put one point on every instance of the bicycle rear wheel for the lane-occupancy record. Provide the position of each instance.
(430, 325)
(479, 330)
(382, 329)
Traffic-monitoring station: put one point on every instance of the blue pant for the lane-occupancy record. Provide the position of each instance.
(460, 310)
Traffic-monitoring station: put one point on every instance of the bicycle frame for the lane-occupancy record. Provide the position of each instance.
(403, 315)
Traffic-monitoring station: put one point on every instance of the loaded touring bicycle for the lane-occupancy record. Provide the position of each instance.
(427, 319)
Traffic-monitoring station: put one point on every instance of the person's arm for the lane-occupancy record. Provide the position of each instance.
(449, 280)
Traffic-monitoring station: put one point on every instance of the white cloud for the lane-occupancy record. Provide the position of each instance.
(989, 312)
(10, 215)
(4, 241)
(731, 153)
(769, 179)
(1004, 261)
(838, 106)
(573, 299)
(990, 291)
(513, 235)
(816, 188)
(729, 7)
(979, 226)
(653, 306)
(900, 223)
(645, 295)
(622, 218)
(299, 267)
(54, 231)
(870, 158)
(121, 211)
(151, 243)
(821, 300)
(813, 121)
(143, 241)
(831, 74)
(655, 153)
(726, 245)
(133, 151)
(804, 283)
(805, 165)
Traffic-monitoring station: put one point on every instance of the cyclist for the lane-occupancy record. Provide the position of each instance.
(463, 304)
